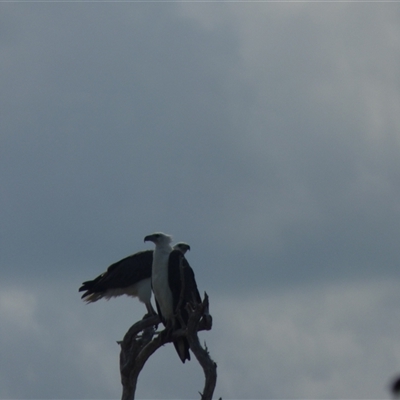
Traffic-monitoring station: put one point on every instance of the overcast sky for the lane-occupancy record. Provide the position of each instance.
(266, 135)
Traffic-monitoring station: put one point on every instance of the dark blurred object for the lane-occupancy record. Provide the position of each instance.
(395, 387)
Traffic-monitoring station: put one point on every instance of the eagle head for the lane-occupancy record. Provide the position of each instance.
(159, 238)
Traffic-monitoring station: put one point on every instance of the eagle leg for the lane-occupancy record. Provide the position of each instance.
(150, 311)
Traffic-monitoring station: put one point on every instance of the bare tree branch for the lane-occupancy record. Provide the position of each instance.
(202, 355)
(142, 340)
(131, 347)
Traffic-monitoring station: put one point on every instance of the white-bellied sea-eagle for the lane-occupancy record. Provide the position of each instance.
(167, 287)
(130, 276)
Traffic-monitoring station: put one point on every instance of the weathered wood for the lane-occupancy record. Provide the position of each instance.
(202, 354)
(142, 340)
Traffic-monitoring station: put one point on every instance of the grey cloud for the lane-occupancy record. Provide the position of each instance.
(266, 136)
(59, 347)
(331, 341)
(78, 150)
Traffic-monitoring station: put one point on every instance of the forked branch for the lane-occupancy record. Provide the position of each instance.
(142, 340)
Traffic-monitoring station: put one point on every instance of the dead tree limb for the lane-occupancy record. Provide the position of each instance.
(202, 355)
(131, 347)
(142, 340)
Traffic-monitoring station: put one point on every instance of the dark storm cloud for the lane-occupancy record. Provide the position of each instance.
(320, 198)
(264, 135)
(119, 131)
(58, 352)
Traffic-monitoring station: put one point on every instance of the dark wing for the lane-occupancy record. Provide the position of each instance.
(190, 294)
(190, 291)
(88, 285)
(121, 274)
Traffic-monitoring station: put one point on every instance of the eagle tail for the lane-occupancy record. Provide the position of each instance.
(182, 348)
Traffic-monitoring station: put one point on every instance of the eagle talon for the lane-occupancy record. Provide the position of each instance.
(148, 315)
(166, 334)
(169, 328)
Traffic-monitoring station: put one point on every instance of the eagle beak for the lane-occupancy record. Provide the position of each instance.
(148, 238)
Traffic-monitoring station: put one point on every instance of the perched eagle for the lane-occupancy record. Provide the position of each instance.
(130, 276)
(167, 287)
